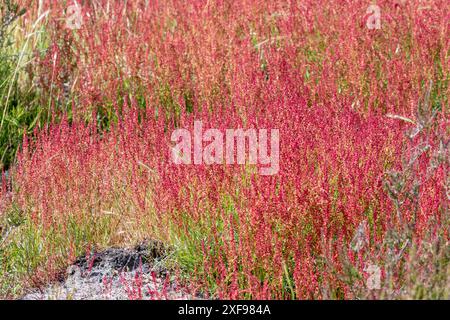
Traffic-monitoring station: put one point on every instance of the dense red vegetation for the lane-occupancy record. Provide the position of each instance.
(313, 70)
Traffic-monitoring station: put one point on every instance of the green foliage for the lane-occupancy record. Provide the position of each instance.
(19, 111)
(26, 247)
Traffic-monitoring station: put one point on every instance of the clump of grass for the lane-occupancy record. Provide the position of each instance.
(147, 69)
(32, 254)
(9, 13)
(20, 110)
(414, 256)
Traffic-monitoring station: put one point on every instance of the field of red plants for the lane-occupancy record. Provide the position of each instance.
(360, 206)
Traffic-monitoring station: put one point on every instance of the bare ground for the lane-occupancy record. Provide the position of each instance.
(116, 274)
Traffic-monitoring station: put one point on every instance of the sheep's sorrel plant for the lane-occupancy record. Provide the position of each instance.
(9, 13)
(354, 208)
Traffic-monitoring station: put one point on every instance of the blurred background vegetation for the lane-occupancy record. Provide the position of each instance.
(20, 108)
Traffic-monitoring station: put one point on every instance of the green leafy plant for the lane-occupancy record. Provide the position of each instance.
(18, 112)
